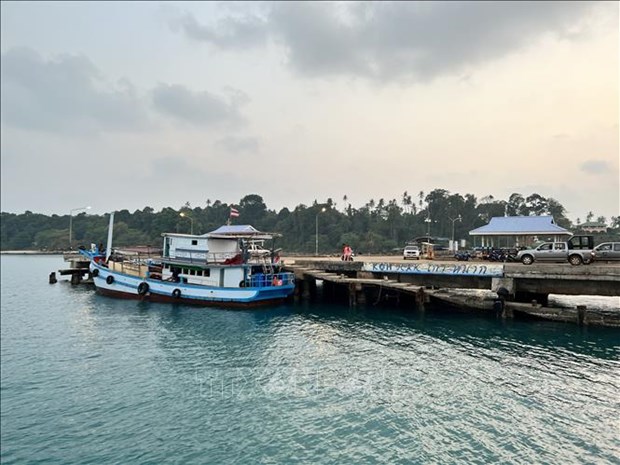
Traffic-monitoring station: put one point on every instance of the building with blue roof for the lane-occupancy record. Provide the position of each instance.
(508, 231)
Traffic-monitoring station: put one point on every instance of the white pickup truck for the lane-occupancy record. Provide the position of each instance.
(555, 252)
(257, 250)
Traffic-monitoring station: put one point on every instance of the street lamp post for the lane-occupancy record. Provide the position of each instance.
(458, 218)
(191, 224)
(316, 249)
(429, 247)
(71, 224)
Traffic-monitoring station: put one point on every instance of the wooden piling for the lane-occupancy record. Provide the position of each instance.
(53, 279)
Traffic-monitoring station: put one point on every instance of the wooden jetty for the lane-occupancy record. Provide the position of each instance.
(508, 289)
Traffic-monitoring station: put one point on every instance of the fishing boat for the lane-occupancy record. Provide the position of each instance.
(220, 268)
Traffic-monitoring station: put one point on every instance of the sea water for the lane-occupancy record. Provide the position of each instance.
(93, 379)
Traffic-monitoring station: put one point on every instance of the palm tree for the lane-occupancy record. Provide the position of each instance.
(406, 201)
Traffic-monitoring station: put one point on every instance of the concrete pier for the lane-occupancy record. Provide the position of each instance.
(78, 269)
(391, 280)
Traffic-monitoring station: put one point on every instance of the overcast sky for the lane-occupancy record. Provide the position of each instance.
(125, 105)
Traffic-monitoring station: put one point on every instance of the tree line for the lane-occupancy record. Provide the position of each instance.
(376, 227)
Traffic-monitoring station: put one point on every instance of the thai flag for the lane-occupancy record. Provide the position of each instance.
(234, 212)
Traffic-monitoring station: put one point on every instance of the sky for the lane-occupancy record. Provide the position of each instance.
(122, 105)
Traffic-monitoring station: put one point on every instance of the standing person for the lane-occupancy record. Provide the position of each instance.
(348, 253)
(344, 252)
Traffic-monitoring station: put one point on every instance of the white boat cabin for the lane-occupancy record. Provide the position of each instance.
(214, 259)
(199, 249)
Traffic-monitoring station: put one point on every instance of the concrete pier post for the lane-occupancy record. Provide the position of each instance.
(312, 288)
(305, 293)
(361, 294)
(76, 278)
(507, 313)
(582, 315)
(297, 291)
(352, 295)
(53, 279)
(421, 299)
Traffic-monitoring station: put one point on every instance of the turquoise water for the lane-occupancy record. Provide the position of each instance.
(90, 379)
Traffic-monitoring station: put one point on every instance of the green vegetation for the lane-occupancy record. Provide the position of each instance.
(378, 226)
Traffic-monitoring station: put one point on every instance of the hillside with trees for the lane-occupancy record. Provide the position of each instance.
(376, 227)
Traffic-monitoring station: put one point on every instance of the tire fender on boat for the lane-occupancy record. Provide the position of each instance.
(95, 273)
(176, 293)
(143, 288)
(109, 279)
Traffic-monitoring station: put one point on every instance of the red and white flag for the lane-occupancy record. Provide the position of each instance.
(234, 212)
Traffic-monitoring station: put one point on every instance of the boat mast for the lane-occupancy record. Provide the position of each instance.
(108, 250)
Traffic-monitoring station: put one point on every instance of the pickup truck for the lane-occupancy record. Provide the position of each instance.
(555, 252)
(257, 250)
(606, 251)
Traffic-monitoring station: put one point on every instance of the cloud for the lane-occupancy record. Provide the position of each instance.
(228, 33)
(65, 93)
(70, 93)
(596, 167)
(413, 39)
(199, 108)
(236, 144)
(393, 40)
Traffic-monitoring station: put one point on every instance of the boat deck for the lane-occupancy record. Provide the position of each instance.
(129, 268)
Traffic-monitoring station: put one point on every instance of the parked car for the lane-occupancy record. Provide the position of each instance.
(411, 251)
(606, 251)
(554, 252)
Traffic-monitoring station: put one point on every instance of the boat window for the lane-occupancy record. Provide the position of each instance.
(199, 273)
(207, 272)
(194, 242)
(192, 272)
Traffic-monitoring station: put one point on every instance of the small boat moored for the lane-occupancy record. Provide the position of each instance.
(220, 268)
